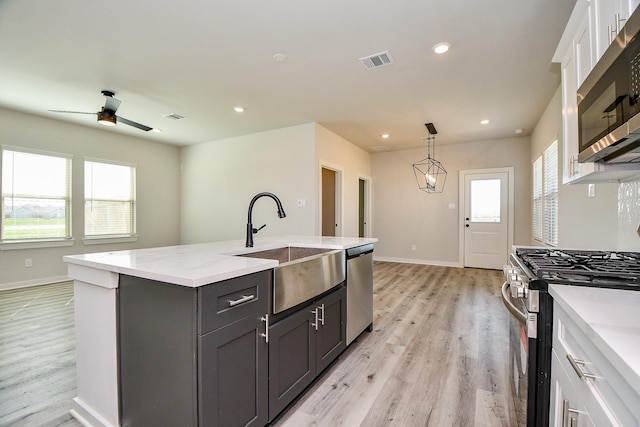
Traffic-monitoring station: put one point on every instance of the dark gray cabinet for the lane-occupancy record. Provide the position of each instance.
(302, 345)
(194, 356)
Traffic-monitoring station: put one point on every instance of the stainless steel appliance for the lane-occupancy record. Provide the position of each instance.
(359, 291)
(608, 102)
(525, 294)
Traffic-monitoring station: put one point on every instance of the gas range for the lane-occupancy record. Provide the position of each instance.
(605, 269)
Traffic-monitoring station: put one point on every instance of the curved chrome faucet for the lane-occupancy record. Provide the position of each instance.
(250, 230)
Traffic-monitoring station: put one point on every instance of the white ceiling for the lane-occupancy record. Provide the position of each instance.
(201, 58)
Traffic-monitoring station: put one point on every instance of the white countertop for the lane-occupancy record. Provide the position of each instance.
(611, 319)
(200, 264)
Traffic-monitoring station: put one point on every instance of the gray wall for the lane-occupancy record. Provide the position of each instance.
(219, 179)
(404, 215)
(158, 212)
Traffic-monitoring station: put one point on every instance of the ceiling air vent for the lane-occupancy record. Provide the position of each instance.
(174, 116)
(376, 61)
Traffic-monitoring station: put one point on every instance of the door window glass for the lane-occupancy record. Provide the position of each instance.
(485, 200)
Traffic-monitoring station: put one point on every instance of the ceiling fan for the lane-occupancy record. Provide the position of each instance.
(107, 115)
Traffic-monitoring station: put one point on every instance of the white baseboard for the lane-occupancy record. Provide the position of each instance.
(419, 261)
(35, 282)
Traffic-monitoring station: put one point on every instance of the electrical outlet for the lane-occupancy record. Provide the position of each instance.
(413, 247)
(302, 203)
(28, 262)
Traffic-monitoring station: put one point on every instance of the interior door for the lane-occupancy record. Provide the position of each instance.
(329, 223)
(363, 213)
(487, 218)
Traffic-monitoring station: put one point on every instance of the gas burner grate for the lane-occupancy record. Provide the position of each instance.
(579, 267)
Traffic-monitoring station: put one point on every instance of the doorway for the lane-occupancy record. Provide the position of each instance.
(486, 200)
(363, 207)
(329, 201)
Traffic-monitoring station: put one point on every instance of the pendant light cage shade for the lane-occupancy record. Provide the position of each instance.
(430, 175)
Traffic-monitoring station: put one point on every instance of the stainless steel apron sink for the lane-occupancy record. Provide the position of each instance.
(303, 273)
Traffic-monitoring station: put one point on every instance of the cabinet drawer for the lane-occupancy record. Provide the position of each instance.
(223, 303)
(604, 390)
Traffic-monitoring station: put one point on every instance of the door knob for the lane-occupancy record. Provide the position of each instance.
(466, 225)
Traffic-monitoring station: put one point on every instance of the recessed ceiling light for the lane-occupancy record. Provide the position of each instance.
(156, 130)
(279, 57)
(441, 47)
(484, 122)
(238, 109)
(385, 135)
(519, 130)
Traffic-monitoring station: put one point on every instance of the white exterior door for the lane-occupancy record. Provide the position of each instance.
(487, 217)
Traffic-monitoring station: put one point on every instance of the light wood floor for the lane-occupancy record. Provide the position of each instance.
(437, 356)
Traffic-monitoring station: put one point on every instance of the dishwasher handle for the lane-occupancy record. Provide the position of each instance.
(506, 300)
(359, 251)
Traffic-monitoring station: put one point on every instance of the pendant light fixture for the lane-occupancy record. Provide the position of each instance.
(429, 172)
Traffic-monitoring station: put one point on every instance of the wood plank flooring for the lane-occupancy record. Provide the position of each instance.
(437, 356)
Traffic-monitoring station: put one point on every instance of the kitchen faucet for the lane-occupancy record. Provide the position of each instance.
(250, 230)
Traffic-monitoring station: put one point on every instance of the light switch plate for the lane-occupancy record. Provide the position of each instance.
(591, 191)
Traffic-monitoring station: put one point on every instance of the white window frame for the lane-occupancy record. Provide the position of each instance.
(45, 241)
(544, 225)
(128, 236)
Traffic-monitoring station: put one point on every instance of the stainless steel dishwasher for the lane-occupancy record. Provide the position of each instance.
(359, 291)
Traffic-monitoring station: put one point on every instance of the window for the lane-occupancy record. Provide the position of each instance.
(545, 196)
(109, 199)
(36, 196)
(485, 200)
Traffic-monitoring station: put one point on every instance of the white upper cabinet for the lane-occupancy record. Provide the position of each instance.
(582, 43)
(576, 61)
(609, 16)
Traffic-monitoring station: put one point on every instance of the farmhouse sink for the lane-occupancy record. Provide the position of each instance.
(303, 273)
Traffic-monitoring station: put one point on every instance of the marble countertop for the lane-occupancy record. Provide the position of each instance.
(203, 263)
(611, 319)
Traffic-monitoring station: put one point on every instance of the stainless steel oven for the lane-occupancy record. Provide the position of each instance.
(530, 334)
(525, 294)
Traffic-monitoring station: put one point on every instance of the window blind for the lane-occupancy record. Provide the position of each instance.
(550, 177)
(110, 204)
(36, 195)
(537, 218)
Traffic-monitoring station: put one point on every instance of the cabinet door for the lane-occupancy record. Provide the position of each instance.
(566, 409)
(233, 375)
(331, 333)
(291, 358)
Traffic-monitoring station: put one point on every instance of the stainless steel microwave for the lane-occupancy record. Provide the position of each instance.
(609, 102)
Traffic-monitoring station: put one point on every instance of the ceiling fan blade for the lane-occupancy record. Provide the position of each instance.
(111, 103)
(72, 112)
(134, 124)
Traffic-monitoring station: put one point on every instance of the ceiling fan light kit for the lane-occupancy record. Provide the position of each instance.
(429, 172)
(107, 118)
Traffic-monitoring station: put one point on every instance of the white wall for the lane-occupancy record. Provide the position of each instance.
(583, 222)
(404, 215)
(220, 178)
(157, 190)
(353, 163)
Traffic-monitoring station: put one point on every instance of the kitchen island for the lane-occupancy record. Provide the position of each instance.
(99, 323)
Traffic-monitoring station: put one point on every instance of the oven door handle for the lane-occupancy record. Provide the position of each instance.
(506, 300)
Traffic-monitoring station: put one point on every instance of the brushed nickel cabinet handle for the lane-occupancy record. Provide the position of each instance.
(322, 318)
(575, 364)
(315, 313)
(265, 319)
(244, 298)
(567, 419)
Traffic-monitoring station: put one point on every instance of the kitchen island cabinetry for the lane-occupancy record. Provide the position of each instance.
(594, 375)
(188, 313)
(178, 345)
(302, 345)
